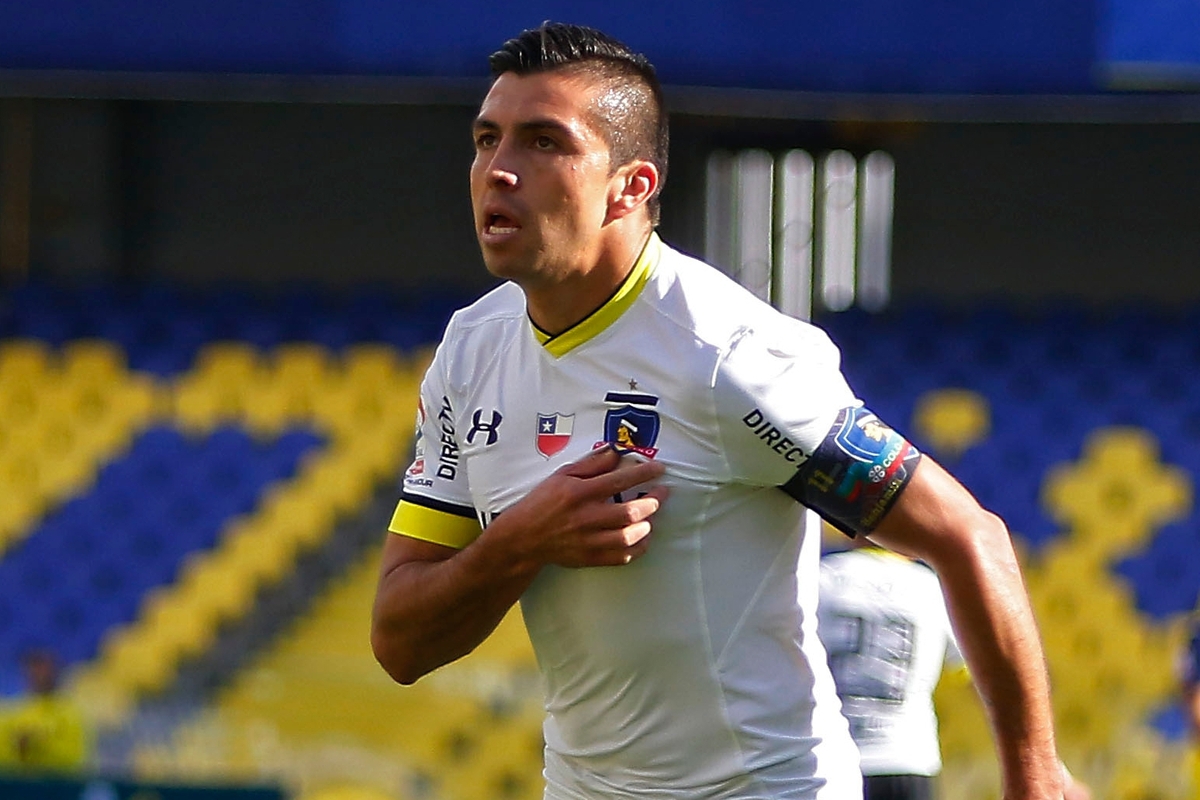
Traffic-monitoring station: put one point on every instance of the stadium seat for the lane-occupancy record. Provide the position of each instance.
(25, 359)
(951, 420)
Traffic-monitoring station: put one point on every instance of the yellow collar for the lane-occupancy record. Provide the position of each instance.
(596, 322)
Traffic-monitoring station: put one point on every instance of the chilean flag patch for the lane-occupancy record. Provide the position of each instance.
(553, 433)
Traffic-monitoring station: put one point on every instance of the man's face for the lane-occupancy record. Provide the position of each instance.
(42, 673)
(540, 179)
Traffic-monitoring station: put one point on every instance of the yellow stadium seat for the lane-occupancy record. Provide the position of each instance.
(21, 397)
(229, 360)
(134, 664)
(20, 475)
(19, 512)
(303, 363)
(350, 792)
(25, 359)
(952, 420)
(220, 587)
(67, 475)
(373, 363)
(272, 410)
(93, 361)
(183, 623)
(1119, 480)
(201, 403)
(257, 553)
(308, 521)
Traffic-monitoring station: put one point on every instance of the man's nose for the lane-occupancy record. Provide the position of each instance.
(502, 177)
(502, 172)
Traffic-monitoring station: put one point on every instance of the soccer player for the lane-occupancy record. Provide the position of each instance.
(624, 440)
(885, 629)
(43, 731)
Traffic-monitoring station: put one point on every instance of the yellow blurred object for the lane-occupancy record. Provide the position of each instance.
(349, 793)
(232, 361)
(43, 734)
(93, 361)
(25, 359)
(1119, 490)
(319, 701)
(372, 363)
(307, 364)
(952, 420)
(217, 389)
(1194, 760)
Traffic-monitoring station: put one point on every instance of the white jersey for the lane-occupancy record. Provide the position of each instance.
(692, 672)
(884, 624)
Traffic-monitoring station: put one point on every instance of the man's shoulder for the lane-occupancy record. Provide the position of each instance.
(720, 310)
(505, 302)
(703, 285)
(492, 318)
(477, 332)
(710, 304)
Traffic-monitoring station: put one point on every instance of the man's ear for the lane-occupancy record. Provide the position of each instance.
(630, 188)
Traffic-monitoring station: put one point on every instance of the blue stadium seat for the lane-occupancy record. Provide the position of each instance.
(1165, 577)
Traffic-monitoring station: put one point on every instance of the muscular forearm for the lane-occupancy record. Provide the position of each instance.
(430, 612)
(996, 629)
(938, 521)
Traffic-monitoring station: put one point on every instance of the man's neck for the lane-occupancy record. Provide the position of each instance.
(558, 306)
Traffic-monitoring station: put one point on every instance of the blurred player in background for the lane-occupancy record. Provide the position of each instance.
(43, 731)
(883, 621)
(624, 440)
(885, 629)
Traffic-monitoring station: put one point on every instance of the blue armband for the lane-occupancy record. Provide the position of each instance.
(857, 472)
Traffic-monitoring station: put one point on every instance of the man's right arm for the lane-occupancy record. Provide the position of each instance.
(435, 604)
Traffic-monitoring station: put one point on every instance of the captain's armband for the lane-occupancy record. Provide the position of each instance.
(857, 472)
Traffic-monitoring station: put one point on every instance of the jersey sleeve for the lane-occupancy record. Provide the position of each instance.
(788, 418)
(435, 504)
(778, 392)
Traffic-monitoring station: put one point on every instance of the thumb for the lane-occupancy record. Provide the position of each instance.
(599, 461)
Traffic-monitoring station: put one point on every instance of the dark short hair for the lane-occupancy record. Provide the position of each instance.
(636, 126)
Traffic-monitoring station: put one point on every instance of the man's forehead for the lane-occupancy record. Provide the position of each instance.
(559, 95)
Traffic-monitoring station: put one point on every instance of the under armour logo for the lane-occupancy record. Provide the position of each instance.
(479, 426)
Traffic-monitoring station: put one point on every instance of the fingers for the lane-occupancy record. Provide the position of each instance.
(618, 548)
(607, 473)
(642, 508)
(597, 462)
(626, 476)
(621, 534)
(602, 530)
(610, 516)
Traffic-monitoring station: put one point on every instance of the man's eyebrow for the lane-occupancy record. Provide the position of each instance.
(535, 124)
(546, 124)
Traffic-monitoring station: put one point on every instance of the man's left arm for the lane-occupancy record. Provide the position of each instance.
(789, 418)
(937, 520)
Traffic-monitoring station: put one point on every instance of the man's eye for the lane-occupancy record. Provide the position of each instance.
(543, 143)
(484, 140)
